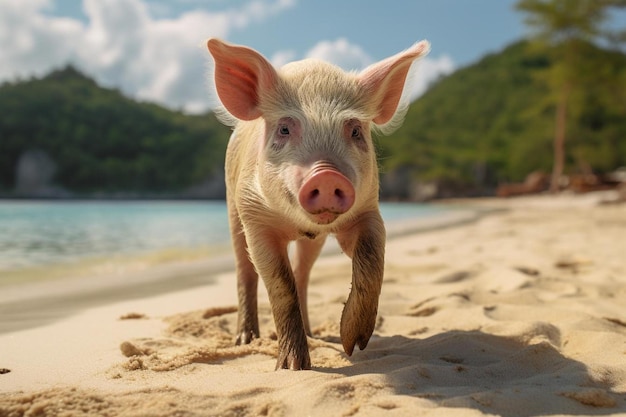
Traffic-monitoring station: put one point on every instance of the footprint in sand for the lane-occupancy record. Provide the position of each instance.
(455, 277)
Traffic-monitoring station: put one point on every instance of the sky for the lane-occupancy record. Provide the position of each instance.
(155, 50)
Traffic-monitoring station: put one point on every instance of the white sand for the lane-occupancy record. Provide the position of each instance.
(520, 313)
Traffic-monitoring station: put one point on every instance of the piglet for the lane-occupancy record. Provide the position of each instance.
(301, 165)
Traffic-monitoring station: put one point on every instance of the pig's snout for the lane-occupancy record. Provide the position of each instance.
(326, 194)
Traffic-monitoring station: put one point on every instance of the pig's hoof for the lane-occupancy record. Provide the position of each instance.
(294, 360)
(246, 337)
(357, 326)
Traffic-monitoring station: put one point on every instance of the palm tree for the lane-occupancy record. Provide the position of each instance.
(569, 25)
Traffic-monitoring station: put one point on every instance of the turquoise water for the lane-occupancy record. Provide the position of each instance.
(35, 234)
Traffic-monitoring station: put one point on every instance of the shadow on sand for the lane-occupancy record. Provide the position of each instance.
(492, 374)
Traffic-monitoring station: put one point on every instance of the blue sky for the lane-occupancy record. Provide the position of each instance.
(155, 49)
(463, 29)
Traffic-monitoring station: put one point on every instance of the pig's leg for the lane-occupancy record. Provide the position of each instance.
(365, 244)
(307, 251)
(247, 283)
(269, 254)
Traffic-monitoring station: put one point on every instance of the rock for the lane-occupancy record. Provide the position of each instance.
(34, 173)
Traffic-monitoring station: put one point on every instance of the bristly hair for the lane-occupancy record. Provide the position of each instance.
(405, 100)
(403, 106)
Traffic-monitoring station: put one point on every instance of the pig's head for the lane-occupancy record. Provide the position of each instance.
(312, 122)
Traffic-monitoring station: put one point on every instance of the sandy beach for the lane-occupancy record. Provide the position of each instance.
(521, 312)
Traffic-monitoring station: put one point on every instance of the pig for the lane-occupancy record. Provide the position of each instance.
(301, 165)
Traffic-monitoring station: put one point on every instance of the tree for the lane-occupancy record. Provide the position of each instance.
(569, 25)
(103, 142)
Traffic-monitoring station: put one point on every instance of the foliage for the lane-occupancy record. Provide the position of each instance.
(571, 25)
(102, 141)
(558, 21)
(490, 122)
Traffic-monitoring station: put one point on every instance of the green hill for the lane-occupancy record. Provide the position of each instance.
(493, 122)
(99, 142)
(488, 123)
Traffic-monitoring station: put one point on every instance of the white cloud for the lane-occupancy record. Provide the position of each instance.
(31, 41)
(258, 10)
(127, 45)
(352, 57)
(123, 45)
(426, 71)
(341, 53)
(281, 58)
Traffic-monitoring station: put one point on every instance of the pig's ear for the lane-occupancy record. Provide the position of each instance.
(241, 77)
(384, 82)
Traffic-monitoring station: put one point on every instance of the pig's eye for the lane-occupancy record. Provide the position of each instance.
(286, 127)
(283, 130)
(287, 130)
(353, 131)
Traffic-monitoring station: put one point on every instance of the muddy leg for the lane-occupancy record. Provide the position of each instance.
(247, 284)
(269, 254)
(366, 247)
(307, 251)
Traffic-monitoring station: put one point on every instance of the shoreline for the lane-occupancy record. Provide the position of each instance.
(518, 313)
(39, 302)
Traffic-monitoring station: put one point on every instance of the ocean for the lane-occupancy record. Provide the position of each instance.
(60, 257)
(44, 234)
